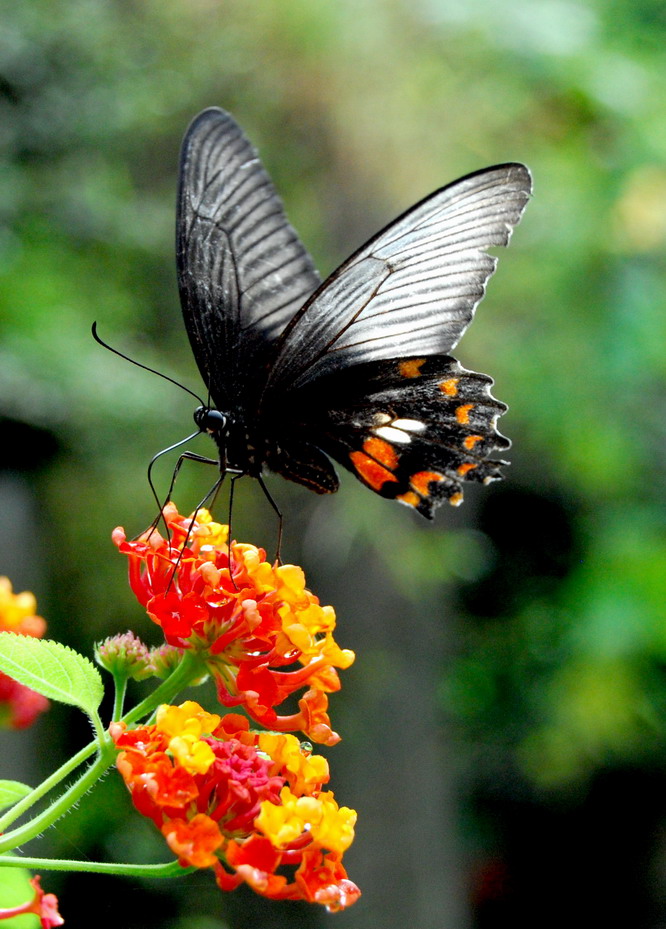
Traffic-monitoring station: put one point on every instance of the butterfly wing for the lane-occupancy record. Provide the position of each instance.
(413, 288)
(412, 430)
(363, 369)
(242, 270)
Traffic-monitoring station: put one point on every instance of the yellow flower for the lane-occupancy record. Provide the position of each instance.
(304, 771)
(285, 823)
(184, 725)
(330, 827)
(209, 532)
(334, 829)
(187, 719)
(17, 611)
(191, 753)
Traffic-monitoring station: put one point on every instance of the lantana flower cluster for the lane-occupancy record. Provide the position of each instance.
(263, 636)
(19, 706)
(249, 805)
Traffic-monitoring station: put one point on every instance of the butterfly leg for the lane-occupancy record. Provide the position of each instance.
(210, 495)
(190, 456)
(272, 502)
(235, 476)
(177, 468)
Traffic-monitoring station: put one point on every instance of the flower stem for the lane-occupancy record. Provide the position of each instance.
(63, 803)
(188, 669)
(167, 869)
(19, 808)
(120, 683)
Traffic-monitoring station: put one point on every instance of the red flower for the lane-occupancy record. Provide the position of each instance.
(19, 705)
(264, 636)
(323, 879)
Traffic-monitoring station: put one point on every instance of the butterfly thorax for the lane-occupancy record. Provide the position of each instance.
(237, 451)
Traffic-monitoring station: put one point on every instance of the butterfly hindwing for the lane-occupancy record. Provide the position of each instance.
(411, 429)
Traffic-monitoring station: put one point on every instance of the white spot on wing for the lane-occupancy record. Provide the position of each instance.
(409, 425)
(392, 435)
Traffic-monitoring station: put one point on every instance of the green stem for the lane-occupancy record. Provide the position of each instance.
(190, 667)
(100, 731)
(168, 869)
(63, 803)
(19, 808)
(120, 682)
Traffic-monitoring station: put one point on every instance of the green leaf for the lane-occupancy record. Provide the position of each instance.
(11, 792)
(52, 669)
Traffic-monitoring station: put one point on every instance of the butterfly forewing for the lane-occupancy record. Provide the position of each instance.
(242, 270)
(414, 287)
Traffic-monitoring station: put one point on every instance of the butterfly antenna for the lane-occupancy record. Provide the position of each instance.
(278, 553)
(138, 364)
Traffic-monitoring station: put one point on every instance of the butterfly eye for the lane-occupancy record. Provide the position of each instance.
(211, 421)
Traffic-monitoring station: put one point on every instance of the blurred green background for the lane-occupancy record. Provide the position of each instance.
(503, 727)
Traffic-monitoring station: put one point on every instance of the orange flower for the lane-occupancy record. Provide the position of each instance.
(253, 805)
(264, 635)
(193, 841)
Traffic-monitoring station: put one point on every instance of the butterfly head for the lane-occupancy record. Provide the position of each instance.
(214, 422)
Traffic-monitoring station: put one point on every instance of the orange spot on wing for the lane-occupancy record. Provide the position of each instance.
(374, 474)
(471, 441)
(422, 479)
(410, 498)
(456, 499)
(462, 413)
(465, 468)
(411, 368)
(382, 451)
(450, 386)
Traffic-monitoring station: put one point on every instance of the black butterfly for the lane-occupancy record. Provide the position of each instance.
(357, 367)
